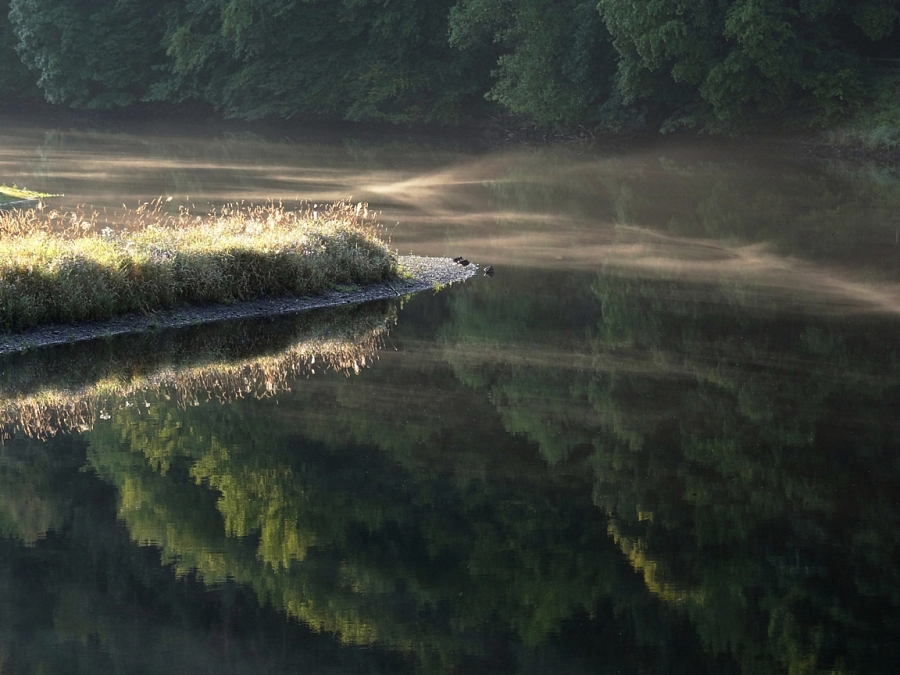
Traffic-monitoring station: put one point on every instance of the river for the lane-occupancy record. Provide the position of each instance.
(664, 436)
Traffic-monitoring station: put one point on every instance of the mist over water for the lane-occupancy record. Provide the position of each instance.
(824, 235)
(664, 437)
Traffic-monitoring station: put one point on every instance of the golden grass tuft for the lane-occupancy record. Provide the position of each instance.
(58, 267)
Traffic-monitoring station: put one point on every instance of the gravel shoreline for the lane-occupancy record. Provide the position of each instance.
(423, 274)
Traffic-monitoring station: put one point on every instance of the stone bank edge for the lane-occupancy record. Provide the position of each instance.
(417, 273)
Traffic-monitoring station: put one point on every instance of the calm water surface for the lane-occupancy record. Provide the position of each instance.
(663, 438)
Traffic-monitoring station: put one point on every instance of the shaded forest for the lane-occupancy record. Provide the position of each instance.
(610, 65)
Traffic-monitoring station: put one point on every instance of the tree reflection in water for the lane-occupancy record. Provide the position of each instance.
(565, 470)
(746, 458)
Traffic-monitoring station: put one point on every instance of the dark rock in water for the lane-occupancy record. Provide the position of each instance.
(489, 271)
(458, 259)
(464, 262)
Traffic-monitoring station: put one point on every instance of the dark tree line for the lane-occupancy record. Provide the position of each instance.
(557, 62)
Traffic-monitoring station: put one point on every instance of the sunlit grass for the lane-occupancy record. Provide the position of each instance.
(63, 268)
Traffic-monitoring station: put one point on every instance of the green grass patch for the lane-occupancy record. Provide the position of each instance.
(16, 194)
(63, 268)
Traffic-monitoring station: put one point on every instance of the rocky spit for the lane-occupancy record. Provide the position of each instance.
(419, 274)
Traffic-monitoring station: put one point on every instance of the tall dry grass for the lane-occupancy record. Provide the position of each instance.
(60, 267)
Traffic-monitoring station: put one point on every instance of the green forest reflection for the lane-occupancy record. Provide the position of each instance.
(571, 467)
(746, 457)
(346, 542)
(654, 475)
(446, 564)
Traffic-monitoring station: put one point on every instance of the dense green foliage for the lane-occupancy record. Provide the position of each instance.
(94, 54)
(16, 83)
(728, 60)
(358, 59)
(554, 60)
(558, 63)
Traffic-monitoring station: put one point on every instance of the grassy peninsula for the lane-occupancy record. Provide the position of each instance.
(15, 194)
(58, 267)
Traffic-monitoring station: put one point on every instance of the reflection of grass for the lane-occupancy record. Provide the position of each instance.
(57, 268)
(67, 389)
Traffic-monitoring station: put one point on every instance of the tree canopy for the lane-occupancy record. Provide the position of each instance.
(557, 63)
